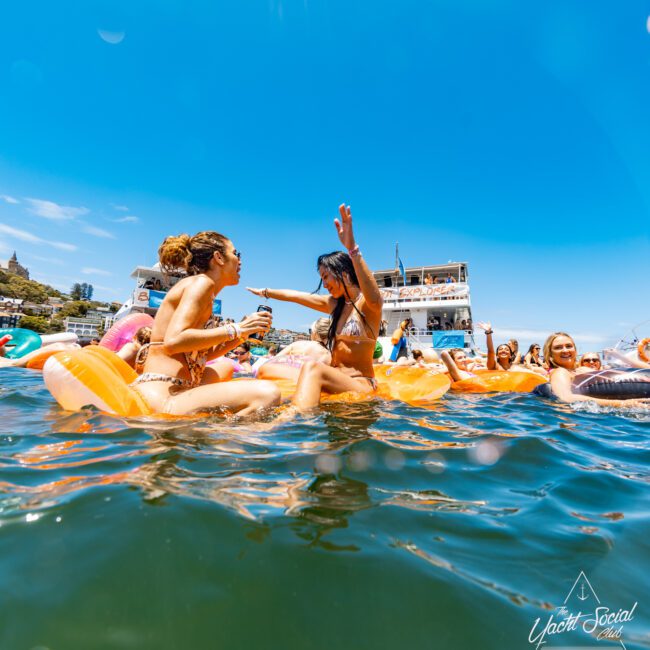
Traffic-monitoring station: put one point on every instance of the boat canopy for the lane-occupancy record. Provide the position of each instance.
(416, 275)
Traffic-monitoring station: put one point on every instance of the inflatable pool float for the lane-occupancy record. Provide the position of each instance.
(93, 376)
(123, 330)
(22, 342)
(69, 338)
(38, 358)
(630, 383)
(499, 381)
(98, 377)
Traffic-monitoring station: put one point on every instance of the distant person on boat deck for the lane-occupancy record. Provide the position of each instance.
(437, 280)
(450, 278)
(428, 279)
(398, 339)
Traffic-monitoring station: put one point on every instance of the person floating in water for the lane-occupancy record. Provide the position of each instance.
(175, 378)
(354, 303)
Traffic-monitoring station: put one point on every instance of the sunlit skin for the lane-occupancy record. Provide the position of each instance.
(563, 354)
(351, 366)
(180, 327)
(590, 362)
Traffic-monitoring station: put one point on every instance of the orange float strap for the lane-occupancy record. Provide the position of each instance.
(499, 381)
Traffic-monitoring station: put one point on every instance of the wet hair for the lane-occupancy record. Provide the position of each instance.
(548, 356)
(417, 354)
(191, 254)
(143, 335)
(320, 328)
(338, 265)
(273, 349)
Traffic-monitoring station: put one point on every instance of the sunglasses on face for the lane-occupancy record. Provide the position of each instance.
(239, 352)
(590, 360)
(237, 254)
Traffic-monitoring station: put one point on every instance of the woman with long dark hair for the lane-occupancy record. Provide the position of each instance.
(354, 303)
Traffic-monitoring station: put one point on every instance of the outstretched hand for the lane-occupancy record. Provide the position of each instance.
(486, 327)
(344, 227)
(257, 292)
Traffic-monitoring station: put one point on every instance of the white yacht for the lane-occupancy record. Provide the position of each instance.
(436, 298)
(151, 287)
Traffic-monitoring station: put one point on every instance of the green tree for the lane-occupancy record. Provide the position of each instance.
(89, 291)
(76, 292)
(35, 323)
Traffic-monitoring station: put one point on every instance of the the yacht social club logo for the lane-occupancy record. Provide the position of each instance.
(582, 611)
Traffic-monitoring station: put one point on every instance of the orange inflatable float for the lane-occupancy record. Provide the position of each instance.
(642, 350)
(414, 386)
(98, 377)
(93, 376)
(499, 381)
(37, 359)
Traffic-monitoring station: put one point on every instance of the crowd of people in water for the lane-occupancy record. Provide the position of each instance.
(172, 356)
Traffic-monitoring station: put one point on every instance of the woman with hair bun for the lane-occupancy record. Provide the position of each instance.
(175, 378)
(354, 303)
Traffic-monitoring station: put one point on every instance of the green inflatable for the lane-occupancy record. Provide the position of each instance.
(22, 342)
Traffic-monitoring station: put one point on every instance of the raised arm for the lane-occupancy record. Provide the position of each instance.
(452, 368)
(491, 357)
(315, 301)
(367, 282)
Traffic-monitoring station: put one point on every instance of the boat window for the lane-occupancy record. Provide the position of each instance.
(388, 282)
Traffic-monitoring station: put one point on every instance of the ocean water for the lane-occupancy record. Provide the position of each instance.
(364, 526)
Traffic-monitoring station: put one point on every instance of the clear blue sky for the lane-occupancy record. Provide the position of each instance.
(514, 137)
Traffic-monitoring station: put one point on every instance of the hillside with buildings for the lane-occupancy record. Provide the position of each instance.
(29, 304)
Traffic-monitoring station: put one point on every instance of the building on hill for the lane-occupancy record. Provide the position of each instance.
(12, 265)
(8, 320)
(11, 305)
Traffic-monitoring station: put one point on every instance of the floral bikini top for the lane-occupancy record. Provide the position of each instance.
(195, 360)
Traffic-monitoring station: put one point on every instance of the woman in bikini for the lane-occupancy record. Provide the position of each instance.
(504, 358)
(175, 379)
(354, 303)
(560, 355)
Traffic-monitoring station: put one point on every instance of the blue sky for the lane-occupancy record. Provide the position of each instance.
(512, 137)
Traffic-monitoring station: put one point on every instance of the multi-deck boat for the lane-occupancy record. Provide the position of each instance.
(436, 298)
(151, 287)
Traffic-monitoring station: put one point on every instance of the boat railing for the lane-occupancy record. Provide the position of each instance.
(419, 292)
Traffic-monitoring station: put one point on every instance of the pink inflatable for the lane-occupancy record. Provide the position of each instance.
(123, 331)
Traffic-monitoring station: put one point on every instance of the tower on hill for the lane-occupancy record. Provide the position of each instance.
(12, 265)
